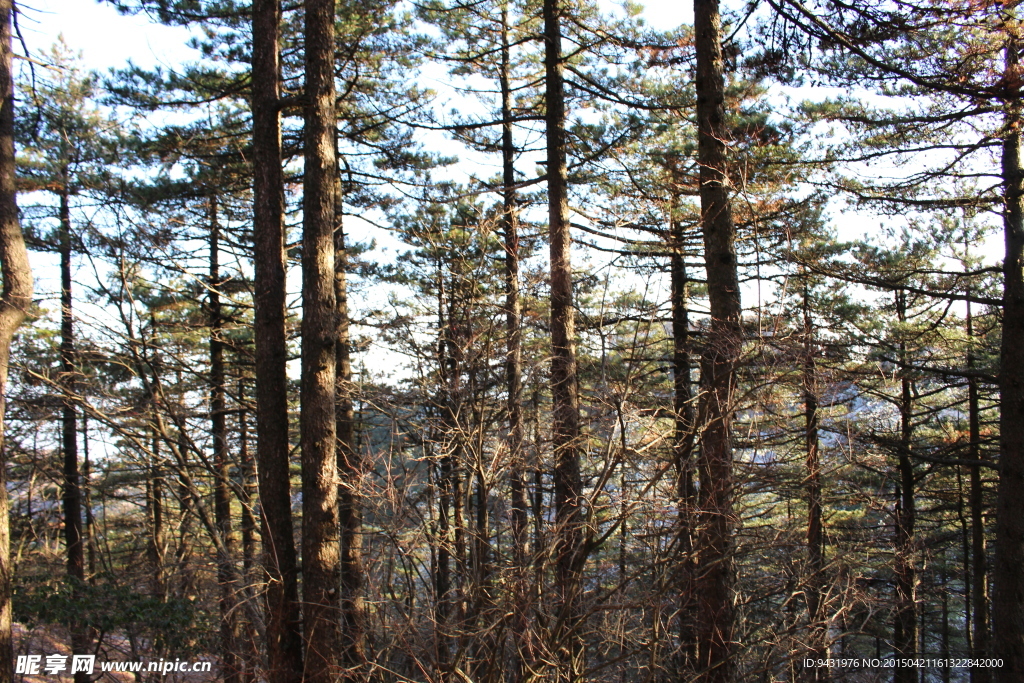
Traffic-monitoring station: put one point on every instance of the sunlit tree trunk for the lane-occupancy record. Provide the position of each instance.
(715, 646)
(321, 550)
(14, 304)
(565, 429)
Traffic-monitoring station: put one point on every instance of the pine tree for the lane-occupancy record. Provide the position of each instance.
(17, 292)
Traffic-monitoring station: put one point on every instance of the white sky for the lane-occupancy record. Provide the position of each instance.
(108, 39)
(105, 38)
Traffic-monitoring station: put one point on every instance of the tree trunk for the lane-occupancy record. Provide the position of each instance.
(321, 550)
(905, 630)
(715, 645)
(249, 495)
(683, 438)
(14, 304)
(284, 643)
(155, 515)
(1008, 572)
(565, 430)
(72, 498)
(514, 368)
(249, 489)
(89, 534)
(183, 553)
(221, 460)
(979, 559)
(817, 627)
(351, 470)
(442, 568)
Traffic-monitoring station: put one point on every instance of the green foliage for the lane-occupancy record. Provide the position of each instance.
(109, 607)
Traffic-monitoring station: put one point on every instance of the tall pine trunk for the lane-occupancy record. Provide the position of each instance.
(350, 468)
(72, 496)
(715, 581)
(514, 368)
(14, 303)
(683, 437)
(284, 643)
(321, 551)
(1008, 570)
(979, 558)
(221, 460)
(249, 497)
(905, 627)
(817, 626)
(565, 430)
(442, 566)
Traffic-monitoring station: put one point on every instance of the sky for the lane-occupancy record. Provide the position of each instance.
(108, 39)
(105, 38)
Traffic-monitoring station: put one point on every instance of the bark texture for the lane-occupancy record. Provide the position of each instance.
(284, 643)
(564, 385)
(715, 646)
(14, 303)
(1008, 569)
(321, 551)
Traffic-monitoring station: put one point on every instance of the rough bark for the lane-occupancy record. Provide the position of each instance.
(284, 643)
(715, 582)
(14, 303)
(565, 429)
(321, 551)
(1008, 569)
